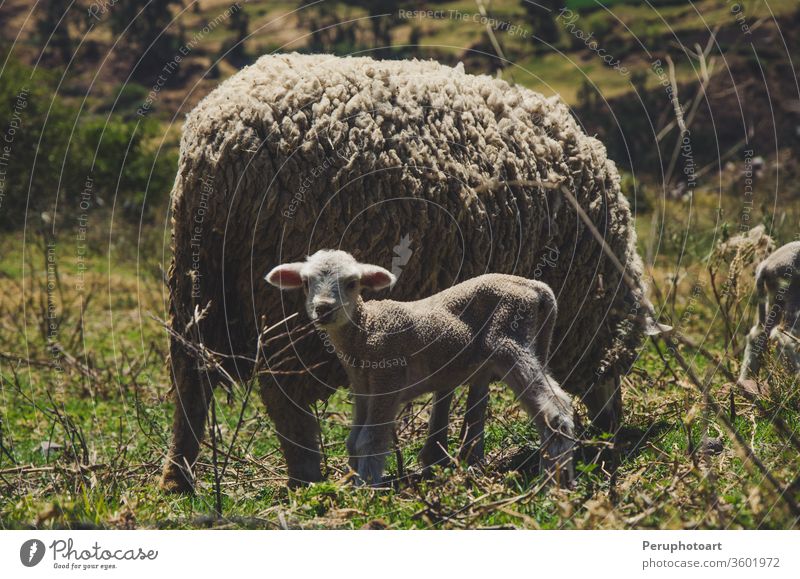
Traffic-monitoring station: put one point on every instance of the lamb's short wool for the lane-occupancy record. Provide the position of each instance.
(445, 174)
(491, 327)
(778, 294)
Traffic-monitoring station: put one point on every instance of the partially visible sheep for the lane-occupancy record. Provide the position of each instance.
(491, 327)
(778, 294)
(301, 151)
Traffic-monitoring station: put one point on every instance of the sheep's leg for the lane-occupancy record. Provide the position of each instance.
(360, 407)
(433, 453)
(298, 433)
(193, 391)
(375, 439)
(471, 436)
(551, 410)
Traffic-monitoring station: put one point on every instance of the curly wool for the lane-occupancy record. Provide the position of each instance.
(301, 152)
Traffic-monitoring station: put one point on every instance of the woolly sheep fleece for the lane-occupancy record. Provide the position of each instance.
(411, 165)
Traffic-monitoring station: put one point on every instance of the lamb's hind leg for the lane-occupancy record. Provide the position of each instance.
(434, 451)
(472, 429)
(551, 410)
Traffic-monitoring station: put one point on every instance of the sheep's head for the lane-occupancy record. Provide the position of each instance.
(332, 281)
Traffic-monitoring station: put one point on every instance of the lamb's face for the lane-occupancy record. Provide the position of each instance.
(332, 281)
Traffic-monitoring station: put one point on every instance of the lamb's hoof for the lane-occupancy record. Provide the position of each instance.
(173, 482)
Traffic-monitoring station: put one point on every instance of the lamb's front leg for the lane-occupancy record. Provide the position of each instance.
(375, 438)
(359, 419)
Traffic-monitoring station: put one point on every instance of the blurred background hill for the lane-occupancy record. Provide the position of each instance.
(110, 82)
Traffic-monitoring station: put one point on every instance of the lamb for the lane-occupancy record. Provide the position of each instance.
(778, 294)
(493, 326)
(462, 173)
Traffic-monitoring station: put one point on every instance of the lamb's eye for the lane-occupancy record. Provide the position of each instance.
(351, 285)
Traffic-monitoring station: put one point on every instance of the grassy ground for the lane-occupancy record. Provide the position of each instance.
(84, 431)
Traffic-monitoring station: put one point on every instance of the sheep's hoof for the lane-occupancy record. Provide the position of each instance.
(176, 482)
(432, 455)
(471, 456)
(299, 481)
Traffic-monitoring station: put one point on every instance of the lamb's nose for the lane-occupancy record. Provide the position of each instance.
(323, 309)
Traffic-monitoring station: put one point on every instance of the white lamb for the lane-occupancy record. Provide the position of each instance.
(778, 292)
(491, 327)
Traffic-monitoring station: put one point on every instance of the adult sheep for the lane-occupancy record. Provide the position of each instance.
(413, 165)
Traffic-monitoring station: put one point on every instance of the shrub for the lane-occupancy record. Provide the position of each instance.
(50, 146)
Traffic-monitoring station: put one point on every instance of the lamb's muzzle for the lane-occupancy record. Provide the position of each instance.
(494, 326)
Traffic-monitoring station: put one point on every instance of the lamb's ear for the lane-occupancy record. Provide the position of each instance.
(375, 277)
(286, 276)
